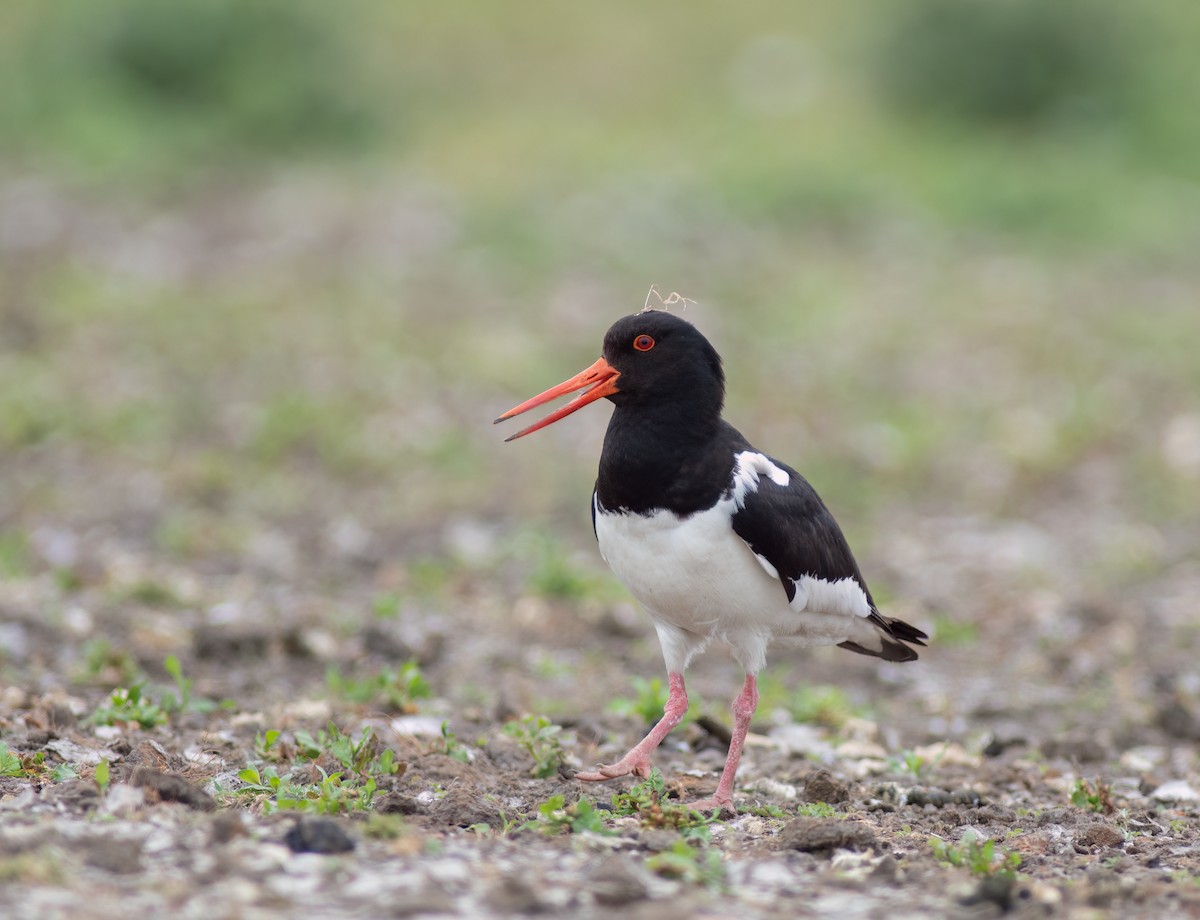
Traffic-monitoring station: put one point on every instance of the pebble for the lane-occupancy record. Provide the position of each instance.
(318, 835)
(309, 710)
(1177, 790)
(1143, 759)
(615, 883)
(861, 750)
(821, 786)
(802, 739)
(751, 825)
(20, 802)
(227, 826)
(417, 726)
(170, 787)
(121, 857)
(1098, 835)
(123, 800)
(71, 752)
(773, 788)
(767, 875)
(947, 754)
(820, 834)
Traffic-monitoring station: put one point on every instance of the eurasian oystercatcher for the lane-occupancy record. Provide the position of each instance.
(717, 540)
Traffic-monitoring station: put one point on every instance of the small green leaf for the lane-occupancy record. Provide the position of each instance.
(10, 763)
(101, 775)
(64, 772)
(250, 775)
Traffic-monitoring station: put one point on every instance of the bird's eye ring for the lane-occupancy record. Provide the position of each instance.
(643, 342)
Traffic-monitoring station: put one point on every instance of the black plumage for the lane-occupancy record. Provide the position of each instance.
(719, 541)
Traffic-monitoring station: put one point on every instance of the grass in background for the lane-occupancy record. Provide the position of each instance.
(293, 258)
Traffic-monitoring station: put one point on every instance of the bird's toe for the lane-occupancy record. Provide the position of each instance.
(709, 805)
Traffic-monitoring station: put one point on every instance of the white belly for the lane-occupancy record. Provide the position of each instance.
(700, 582)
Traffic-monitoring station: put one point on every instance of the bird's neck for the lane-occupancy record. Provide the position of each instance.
(664, 459)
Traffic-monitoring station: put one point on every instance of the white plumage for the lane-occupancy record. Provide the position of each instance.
(700, 582)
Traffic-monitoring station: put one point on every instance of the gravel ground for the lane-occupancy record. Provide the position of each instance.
(174, 828)
(290, 610)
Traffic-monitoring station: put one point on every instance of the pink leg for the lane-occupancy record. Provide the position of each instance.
(637, 761)
(744, 705)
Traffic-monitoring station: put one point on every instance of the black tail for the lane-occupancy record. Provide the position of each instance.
(893, 633)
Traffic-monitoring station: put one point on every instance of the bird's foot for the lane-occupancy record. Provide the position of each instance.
(626, 766)
(720, 804)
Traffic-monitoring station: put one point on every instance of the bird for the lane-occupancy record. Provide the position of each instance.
(718, 541)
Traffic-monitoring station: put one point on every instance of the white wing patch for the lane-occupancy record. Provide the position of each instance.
(844, 597)
(766, 564)
(750, 466)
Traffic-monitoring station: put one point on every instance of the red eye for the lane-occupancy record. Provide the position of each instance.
(643, 343)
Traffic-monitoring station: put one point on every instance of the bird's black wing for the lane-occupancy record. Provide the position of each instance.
(789, 527)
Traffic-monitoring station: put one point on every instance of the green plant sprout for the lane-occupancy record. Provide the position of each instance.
(396, 689)
(452, 747)
(540, 738)
(648, 800)
(554, 816)
(694, 865)
(130, 706)
(982, 859)
(1097, 797)
(10, 763)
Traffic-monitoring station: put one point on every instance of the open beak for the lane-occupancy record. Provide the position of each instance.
(601, 377)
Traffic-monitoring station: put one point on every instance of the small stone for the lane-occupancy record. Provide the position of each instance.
(1178, 720)
(19, 802)
(994, 889)
(773, 788)
(417, 726)
(861, 750)
(999, 742)
(947, 754)
(1143, 759)
(1177, 790)
(318, 835)
(71, 752)
(400, 803)
(122, 800)
(121, 857)
(73, 795)
(752, 826)
(813, 835)
(514, 895)
(822, 787)
(1077, 750)
(614, 883)
(229, 641)
(227, 826)
(805, 740)
(1055, 816)
(1098, 835)
(657, 839)
(308, 710)
(858, 729)
(940, 798)
(170, 787)
(886, 870)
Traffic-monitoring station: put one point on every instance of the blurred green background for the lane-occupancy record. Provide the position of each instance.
(269, 269)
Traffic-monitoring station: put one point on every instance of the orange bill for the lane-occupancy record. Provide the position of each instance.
(601, 377)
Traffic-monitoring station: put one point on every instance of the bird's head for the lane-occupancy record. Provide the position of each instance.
(652, 358)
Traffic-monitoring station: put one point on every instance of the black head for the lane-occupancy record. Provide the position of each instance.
(662, 359)
(655, 364)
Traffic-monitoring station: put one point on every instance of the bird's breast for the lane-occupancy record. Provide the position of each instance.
(692, 571)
